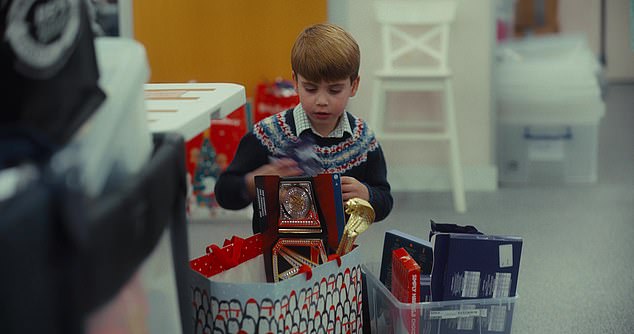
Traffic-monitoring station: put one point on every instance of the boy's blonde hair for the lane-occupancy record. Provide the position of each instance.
(325, 52)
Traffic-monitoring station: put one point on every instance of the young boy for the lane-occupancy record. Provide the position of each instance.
(325, 62)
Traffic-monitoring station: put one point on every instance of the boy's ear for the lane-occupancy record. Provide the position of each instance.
(355, 86)
(294, 76)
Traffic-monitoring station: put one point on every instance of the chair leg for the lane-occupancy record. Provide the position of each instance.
(457, 180)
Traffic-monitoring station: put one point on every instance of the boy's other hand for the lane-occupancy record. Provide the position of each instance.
(351, 188)
(281, 167)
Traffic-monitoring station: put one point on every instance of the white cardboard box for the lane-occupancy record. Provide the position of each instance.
(187, 108)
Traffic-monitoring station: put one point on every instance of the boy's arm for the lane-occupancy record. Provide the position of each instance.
(235, 188)
(378, 186)
(231, 190)
(281, 167)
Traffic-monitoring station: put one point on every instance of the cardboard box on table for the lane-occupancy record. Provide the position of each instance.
(212, 119)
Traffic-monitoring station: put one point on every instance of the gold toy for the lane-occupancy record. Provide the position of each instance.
(361, 216)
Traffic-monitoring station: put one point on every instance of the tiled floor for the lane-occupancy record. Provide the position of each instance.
(577, 267)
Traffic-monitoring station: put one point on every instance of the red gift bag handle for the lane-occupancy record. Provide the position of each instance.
(228, 256)
(335, 257)
(304, 268)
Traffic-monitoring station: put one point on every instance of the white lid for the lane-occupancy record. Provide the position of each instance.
(562, 113)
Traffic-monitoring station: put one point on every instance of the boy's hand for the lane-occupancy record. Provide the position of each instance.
(281, 167)
(351, 187)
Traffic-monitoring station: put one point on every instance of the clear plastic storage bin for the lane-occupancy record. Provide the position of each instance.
(549, 105)
(549, 147)
(388, 315)
(548, 154)
(547, 74)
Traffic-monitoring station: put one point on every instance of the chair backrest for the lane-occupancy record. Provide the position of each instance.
(415, 33)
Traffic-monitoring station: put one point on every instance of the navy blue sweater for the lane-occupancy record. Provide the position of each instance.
(358, 155)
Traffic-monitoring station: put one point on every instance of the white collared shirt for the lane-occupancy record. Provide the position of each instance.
(302, 123)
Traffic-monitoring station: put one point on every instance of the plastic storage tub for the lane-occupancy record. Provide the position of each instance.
(388, 315)
(548, 147)
(547, 74)
(549, 106)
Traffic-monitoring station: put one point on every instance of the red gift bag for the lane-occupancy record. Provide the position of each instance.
(271, 98)
(230, 293)
(208, 154)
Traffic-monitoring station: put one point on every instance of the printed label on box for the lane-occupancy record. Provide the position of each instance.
(506, 256)
(453, 314)
(546, 150)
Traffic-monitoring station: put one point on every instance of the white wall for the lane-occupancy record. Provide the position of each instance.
(620, 56)
(584, 16)
(416, 166)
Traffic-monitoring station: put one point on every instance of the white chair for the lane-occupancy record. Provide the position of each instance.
(415, 42)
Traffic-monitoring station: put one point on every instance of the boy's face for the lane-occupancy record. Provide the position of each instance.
(324, 102)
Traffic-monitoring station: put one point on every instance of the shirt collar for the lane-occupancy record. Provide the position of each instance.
(302, 123)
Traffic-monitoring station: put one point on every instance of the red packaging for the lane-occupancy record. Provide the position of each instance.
(405, 285)
(272, 98)
(232, 253)
(210, 152)
(226, 135)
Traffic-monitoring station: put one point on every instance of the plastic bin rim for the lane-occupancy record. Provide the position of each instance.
(390, 296)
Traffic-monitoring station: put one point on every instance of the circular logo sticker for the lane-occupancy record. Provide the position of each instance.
(42, 34)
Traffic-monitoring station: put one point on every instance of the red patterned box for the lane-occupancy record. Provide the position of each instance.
(405, 285)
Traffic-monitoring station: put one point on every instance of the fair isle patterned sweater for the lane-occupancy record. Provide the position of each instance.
(358, 155)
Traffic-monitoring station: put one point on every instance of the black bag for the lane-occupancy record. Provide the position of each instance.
(49, 72)
(451, 228)
(63, 255)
